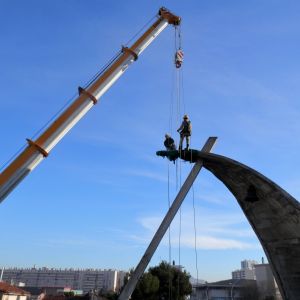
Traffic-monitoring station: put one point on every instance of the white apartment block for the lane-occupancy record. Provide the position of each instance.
(247, 270)
(86, 279)
(247, 264)
(243, 274)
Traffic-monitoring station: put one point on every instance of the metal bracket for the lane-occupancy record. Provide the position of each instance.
(167, 15)
(38, 147)
(130, 51)
(88, 94)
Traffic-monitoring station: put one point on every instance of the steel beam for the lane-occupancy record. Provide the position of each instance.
(141, 267)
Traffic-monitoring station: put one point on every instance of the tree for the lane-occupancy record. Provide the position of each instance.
(163, 282)
(147, 288)
(106, 295)
(249, 291)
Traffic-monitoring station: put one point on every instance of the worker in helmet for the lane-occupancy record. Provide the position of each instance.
(169, 143)
(185, 131)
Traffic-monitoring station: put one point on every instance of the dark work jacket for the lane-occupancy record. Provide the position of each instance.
(185, 128)
(169, 144)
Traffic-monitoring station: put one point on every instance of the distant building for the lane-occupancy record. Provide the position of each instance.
(195, 281)
(262, 273)
(86, 279)
(10, 292)
(246, 272)
(243, 274)
(266, 284)
(226, 289)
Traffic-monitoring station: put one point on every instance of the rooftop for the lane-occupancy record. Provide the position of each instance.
(6, 288)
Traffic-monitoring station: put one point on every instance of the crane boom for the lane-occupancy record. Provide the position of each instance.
(38, 149)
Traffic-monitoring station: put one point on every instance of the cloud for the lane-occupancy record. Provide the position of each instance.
(213, 243)
(215, 199)
(234, 84)
(214, 231)
(147, 174)
(69, 242)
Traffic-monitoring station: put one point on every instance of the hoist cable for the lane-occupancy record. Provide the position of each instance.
(171, 106)
(179, 234)
(169, 233)
(182, 91)
(12, 157)
(103, 69)
(195, 234)
(179, 36)
(64, 106)
(169, 204)
(86, 85)
(142, 29)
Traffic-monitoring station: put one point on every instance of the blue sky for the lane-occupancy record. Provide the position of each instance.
(99, 197)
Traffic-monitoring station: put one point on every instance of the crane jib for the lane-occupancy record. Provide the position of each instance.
(39, 148)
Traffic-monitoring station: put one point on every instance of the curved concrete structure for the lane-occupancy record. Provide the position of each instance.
(273, 214)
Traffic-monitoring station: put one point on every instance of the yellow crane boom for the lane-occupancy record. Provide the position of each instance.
(38, 149)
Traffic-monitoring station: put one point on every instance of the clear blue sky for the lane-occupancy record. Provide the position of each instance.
(99, 197)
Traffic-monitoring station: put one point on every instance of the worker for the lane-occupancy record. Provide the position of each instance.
(185, 131)
(169, 143)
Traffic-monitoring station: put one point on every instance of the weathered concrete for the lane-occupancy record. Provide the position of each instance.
(273, 214)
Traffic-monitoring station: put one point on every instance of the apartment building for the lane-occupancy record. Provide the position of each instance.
(247, 270)
(85, 279)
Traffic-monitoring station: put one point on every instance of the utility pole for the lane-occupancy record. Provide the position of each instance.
(1, 276)
(141, 267)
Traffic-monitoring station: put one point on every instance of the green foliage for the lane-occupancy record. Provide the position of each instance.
(147, 288)
(249, 292)
(163, 282)
(69, 294)
(108, 295)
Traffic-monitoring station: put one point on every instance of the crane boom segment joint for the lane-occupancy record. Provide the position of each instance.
(38, 147)
(87, 93)
(130, 51)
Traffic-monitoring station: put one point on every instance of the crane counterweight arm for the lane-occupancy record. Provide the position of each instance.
(38, 149)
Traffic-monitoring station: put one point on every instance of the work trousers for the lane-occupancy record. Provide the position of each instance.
(187, 140)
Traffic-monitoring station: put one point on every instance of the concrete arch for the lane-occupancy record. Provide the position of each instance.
(273, 214)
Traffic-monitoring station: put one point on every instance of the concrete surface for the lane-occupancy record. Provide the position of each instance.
(273, 214)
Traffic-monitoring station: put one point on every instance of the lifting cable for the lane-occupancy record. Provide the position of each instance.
(169, 233)
(180, 110)
(195, 235)
(64, 106)
(175, 115)
(180, 106)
